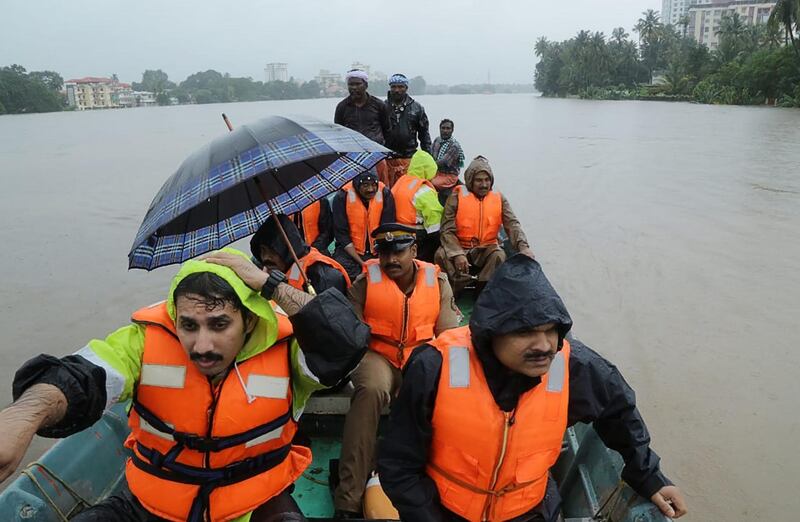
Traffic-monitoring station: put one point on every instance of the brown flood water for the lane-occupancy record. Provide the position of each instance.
(672, 231)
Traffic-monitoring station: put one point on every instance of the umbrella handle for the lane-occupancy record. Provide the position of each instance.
(277, 221)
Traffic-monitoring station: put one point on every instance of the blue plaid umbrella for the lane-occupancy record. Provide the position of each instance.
(219, 194)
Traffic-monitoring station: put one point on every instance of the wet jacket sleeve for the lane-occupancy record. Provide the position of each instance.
(323, 277)
(598, 393)
(511, 224)
(449, 314)
(338, 115)
(403, 449)
(325, 226)
(332, 338)
(424, 131)
(452, 247)
(341, 226)
(388, 213)
(426, 201)
(94, 378)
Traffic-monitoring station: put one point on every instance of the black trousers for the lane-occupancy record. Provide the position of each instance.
(127, 508)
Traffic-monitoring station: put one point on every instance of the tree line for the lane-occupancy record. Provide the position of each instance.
(753, 64)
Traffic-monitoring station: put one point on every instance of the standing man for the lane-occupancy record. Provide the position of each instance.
(471, 223)
(217, 381)
(482, 411)
(408, 123)
(405, 302)
(449, 158)
(358, 209)
(418, 205)
(315, 223)
(268, 247)
(364, 113)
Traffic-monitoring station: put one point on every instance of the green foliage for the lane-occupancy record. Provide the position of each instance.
(23, 92)
(753, 65)
(155, 81)
(417, 85)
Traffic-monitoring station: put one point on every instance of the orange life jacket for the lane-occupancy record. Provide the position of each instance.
(478, 221)
(203, 452)
(295, 278)
(310, 222)
(362, 219)
(400, 323)
(488, 464)
(405, 192)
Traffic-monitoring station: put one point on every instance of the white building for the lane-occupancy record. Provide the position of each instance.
(93, 93)
(705, 17)
(277, 72)
(673, 10)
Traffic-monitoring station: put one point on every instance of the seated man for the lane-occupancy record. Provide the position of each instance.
(315, 223)
(449, 158)
(217, 380)
(405, 302)
(358, 209)
(417, 204)
(482, 412)
(471, 222)
(268, 247)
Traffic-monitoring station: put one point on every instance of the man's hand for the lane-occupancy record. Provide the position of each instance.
(526, 251)
(461, 264)
(669, 500)
(40, 405)
(252, 276)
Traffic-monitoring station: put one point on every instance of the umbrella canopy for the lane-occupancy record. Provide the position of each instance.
(219, 193)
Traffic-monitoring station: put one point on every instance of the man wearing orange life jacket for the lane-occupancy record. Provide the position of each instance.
(405, 302)
(269, 248)
(473, 216)
(315, 223)
(480, 417)
(217, 381)
(358, 209)
(417, 203)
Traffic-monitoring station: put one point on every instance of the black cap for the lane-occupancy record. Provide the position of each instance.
(394, 237)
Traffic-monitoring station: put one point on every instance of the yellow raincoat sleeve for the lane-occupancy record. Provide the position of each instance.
(120, 355)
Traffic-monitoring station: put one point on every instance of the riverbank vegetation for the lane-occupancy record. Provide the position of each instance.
(753, 64)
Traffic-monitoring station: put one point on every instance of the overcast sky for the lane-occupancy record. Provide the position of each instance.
(446, 41)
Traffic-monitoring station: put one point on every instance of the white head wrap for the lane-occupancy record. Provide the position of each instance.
(357, 73)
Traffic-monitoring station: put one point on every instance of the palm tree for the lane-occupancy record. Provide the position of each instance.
(648, 28)
(648, 25)
(541, 47)
(786, 13)
(619, 35)
(683, 21)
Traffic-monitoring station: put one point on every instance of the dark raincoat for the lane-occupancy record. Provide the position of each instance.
(517, 298)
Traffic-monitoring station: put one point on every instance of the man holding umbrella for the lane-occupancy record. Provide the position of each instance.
(217, 380)
(270, 250)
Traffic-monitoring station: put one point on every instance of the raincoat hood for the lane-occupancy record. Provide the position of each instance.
(266, 332)
(479, 164)
(517, 298)
(269, 236)
(422, 166)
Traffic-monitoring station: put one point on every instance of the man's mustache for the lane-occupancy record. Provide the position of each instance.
(536, 355)
(391, 265)
(205, 357)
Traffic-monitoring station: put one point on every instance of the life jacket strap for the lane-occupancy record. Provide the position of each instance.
(207, 478)
(480, 491)
(207, 444)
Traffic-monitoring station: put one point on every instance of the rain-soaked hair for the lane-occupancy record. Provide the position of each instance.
(447, 120)
(213, 291)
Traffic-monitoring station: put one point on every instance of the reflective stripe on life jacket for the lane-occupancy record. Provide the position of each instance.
(488, 464)
(210, 451)
(295, 277)
(362, 219)
(405, 192)
(478, 221)
(399, 323)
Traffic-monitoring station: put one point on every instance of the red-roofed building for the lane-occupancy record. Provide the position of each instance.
(94, 92)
